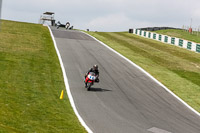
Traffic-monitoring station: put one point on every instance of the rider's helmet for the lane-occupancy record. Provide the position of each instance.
(95, 67)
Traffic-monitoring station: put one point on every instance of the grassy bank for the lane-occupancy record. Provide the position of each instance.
(180, 34)
(31, 82)
(176, 68)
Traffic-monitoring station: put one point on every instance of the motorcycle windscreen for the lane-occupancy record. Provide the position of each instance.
(92, 76)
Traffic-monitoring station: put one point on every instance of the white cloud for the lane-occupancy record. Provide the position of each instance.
(112, 22)
(196, 13)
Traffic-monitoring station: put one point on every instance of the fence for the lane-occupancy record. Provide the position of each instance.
(169, 40)
(194, 31)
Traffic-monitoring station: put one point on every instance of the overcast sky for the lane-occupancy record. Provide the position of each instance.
(107, 15)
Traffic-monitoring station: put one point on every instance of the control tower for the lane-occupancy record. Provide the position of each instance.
(47, 16)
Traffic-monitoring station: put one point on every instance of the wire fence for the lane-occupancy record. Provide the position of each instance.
(192, 30)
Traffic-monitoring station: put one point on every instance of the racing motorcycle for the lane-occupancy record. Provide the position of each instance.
(90, 79)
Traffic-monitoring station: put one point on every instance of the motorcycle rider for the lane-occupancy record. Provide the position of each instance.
(95, 70)
(67, 25)
(58, 24)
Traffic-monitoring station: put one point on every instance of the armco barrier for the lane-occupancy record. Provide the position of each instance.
(169, 40)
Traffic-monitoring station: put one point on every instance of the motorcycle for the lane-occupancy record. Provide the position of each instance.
(89, 80)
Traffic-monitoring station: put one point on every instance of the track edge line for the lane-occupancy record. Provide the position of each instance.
(67, 86)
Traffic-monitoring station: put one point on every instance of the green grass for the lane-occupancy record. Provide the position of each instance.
(177, 68)
(180, 34)
(31, 82)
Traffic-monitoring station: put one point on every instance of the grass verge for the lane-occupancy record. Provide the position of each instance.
(177, 68)
(180, 34)
(31, 82)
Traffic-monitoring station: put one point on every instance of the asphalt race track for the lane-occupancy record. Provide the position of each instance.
(125, 100)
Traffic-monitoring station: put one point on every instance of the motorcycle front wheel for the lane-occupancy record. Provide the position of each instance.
(89, 86)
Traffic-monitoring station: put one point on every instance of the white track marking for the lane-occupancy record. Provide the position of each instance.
(67, 86)
(157, 130)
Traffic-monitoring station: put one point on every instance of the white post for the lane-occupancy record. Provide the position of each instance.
(147, 33)
(193, 48)
(185, 44)
(176, 41)
(169, 40)
(163, 38)
(142, 33)
(151, 35)
(134, 31)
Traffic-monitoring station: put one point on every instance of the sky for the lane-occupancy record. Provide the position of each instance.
(107, 15)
